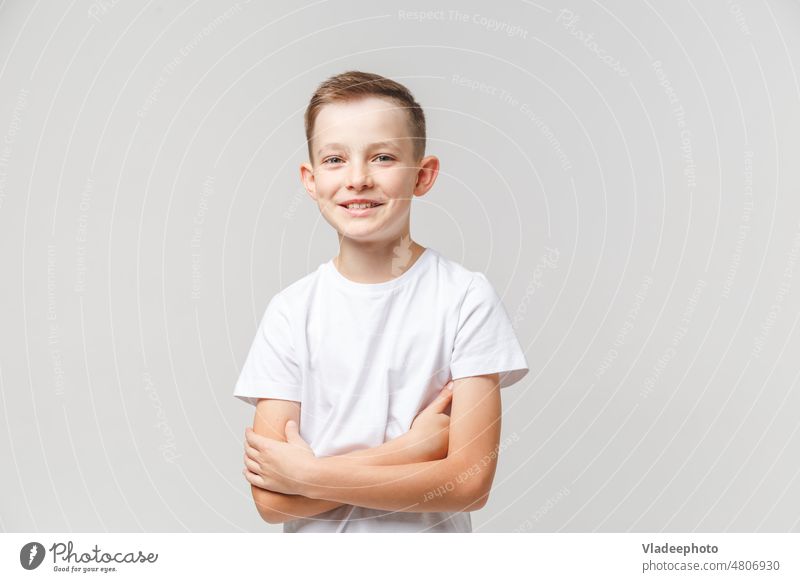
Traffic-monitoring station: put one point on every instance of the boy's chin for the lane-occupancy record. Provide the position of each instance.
(365, 235)
(358, 229)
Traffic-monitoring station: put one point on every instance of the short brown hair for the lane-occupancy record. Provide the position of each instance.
(356, 85)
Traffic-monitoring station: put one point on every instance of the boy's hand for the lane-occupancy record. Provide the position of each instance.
(431, 427)
(275, 465)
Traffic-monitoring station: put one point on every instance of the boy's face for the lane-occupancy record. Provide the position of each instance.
(362, 149)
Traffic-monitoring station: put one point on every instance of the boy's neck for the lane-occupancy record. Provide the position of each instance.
(376, 262)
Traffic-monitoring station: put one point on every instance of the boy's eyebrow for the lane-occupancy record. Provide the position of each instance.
(382, 144)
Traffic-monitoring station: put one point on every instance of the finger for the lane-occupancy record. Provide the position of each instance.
(442, 401)
(249, 459)
(253, 479)
(293, 436)
(250, 477)
(252, 466)
(251, 452)
(250, 437)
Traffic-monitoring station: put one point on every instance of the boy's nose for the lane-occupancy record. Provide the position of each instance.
(359, 178)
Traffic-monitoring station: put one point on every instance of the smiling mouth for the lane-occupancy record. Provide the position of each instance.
(360, 210)
(361, 205)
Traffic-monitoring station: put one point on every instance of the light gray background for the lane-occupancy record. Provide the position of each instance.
(627, 177)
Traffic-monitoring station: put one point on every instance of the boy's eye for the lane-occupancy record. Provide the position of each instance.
(337, 159)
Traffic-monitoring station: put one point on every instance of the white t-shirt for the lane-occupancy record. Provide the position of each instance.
(363, 359)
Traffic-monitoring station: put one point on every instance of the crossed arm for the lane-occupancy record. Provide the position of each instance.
(399, 475)
(270, 420)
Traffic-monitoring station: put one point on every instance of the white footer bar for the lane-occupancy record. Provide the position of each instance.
(401, 557)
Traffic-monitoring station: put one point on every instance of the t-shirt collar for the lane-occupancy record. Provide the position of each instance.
(411, 273)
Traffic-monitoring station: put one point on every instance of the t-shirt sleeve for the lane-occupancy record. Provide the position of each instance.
(485, 341)
(271, 369)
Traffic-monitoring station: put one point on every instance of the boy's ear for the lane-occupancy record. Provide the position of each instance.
(307, 178)
(426, 175)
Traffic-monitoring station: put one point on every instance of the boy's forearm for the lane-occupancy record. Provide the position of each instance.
(400, 450)
(447, 484)
(279, 507)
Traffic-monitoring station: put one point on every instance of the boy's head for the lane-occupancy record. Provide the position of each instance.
(355, 85)
(366, 141)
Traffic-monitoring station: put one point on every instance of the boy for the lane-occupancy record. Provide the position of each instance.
(347, 369)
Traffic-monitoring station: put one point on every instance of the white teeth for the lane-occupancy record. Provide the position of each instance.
(360, 206)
